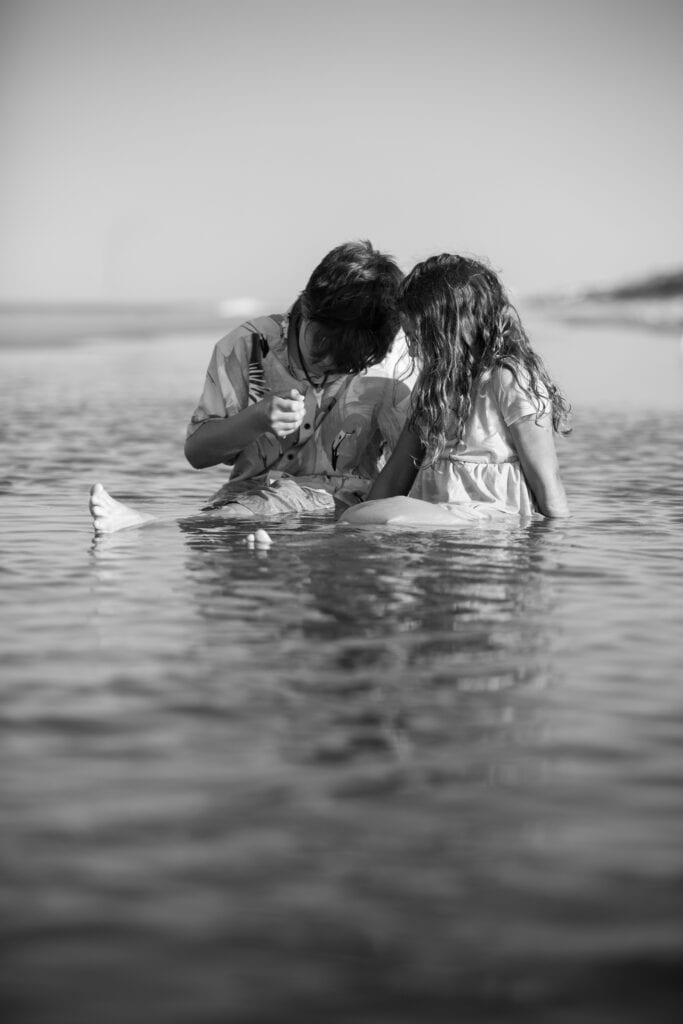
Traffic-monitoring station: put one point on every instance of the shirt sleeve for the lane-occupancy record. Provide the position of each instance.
(514, 397)
(392, 411)
(226, 387)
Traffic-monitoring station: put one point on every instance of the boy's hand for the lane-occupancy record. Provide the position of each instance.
(285, 414)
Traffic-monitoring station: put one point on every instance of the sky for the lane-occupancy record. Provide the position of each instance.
(160, 150)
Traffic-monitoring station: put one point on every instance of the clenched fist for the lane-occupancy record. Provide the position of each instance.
(285, 414)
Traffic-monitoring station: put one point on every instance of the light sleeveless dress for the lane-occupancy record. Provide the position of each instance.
(481, 474)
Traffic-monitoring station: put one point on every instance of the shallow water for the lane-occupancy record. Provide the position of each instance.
(373, 777)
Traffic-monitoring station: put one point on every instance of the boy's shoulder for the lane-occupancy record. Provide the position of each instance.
(271, 323)
(269, 327)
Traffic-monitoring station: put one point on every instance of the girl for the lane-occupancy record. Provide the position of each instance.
(479, 440)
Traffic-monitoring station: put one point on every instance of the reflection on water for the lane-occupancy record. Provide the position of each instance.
(360, 776)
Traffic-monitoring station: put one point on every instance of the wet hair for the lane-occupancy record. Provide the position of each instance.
(460, 323)
(352, 297)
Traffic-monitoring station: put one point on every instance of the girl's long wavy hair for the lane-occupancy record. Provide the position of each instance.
(459, 323)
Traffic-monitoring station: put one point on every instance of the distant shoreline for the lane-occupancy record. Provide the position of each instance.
(35, 324)
(663, 316)
(78, 323)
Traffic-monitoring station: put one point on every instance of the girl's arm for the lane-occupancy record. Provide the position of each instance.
(535, 446)
(399, 474)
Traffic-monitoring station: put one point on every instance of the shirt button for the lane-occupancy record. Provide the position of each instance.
(307, 426)
(290, 456)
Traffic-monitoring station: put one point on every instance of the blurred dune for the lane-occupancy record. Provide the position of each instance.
(654, 301)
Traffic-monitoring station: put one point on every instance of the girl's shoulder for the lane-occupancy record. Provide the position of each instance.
(510, 374)
(503, 379)
(515, 393)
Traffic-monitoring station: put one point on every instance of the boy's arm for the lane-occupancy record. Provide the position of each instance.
(221, 439)
(398, 475)
(535, 446)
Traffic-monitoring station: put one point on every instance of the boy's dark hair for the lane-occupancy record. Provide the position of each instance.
(352, 295)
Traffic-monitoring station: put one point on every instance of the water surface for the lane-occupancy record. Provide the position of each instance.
(362, 776)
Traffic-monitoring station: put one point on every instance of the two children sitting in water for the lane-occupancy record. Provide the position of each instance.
(304, 406)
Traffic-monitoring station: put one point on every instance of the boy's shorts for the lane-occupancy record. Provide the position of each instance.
(275, 494)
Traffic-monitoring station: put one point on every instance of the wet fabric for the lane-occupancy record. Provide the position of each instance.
(273, 494)
(482, 470)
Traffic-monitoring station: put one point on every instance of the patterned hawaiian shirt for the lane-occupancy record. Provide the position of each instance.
(352, 421)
